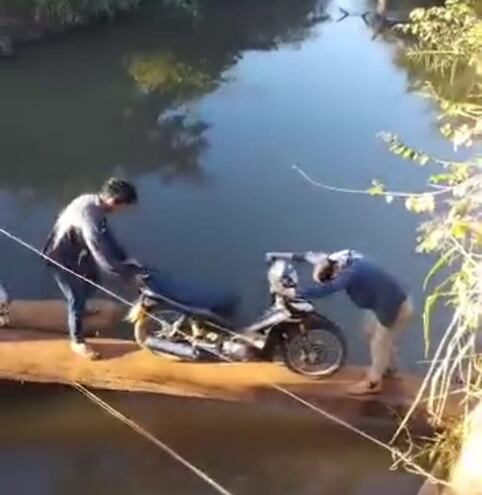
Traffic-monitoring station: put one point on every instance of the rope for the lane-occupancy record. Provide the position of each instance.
(151, 438)
(269, 382)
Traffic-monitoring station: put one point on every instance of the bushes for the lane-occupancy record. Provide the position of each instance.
(66, 13)
(63, 13)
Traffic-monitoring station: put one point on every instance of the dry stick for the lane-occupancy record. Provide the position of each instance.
(466, 405)
(447, 383)
(395, 452)
(456, 366)
(364, 192)
(425, 381)
(470, 356)
(441, 374)
(151, 438)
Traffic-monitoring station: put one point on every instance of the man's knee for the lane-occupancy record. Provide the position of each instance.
(405, 315)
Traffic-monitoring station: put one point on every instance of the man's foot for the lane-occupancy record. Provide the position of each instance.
(366, 387)
(392, 374)
(84, 350)
(4, 320)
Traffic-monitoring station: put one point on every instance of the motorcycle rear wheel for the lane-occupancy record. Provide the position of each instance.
(157, 322)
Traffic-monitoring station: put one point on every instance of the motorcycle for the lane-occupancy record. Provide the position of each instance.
(178, 319)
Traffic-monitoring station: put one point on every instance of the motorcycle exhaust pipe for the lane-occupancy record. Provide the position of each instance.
(177, 349)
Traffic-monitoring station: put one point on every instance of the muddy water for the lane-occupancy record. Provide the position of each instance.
(54, 442)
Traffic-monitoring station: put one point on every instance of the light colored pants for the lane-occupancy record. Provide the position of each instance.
(383, 340)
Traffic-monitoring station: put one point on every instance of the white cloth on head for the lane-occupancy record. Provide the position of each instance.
(316, 258)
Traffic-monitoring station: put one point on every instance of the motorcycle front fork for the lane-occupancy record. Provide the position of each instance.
(301, 325)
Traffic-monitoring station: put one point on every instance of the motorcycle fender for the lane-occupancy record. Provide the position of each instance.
(290, 324)
(272, 319)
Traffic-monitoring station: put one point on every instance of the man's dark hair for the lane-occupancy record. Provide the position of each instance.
(121, 191)
(328, 272)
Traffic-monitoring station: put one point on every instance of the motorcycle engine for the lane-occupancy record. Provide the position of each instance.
(238, 351)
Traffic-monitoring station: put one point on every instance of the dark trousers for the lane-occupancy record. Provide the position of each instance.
(76, 293)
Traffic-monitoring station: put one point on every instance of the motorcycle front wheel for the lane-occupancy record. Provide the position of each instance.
(317, 351)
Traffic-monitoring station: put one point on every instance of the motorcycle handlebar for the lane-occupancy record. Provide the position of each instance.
(313, 257)
(273, 256)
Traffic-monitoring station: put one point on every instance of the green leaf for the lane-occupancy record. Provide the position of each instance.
(377, 189)
(442, 262)
(424, 203)
(460, 229)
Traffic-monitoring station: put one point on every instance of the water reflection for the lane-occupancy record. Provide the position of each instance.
(165, 73)
(384, 15)
(454, 86)
(76, 111)
(93, 104)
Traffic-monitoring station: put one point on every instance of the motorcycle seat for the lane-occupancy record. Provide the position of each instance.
(189, 297)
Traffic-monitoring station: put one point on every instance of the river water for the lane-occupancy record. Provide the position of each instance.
(207, 117)
(55, 442)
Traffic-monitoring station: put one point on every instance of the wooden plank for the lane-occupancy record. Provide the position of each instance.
(51, 315)
(42, 357)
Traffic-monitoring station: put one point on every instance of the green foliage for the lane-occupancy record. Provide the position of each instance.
(445, 60)
(401, 149)
(430, 27)
(421, 203)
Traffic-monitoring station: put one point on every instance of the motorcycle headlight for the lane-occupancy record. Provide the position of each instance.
(282, 272)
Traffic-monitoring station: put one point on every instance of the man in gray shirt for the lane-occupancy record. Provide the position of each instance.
(82, 242)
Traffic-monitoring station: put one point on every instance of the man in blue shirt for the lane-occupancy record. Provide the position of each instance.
(371, 288)
(82, 242)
